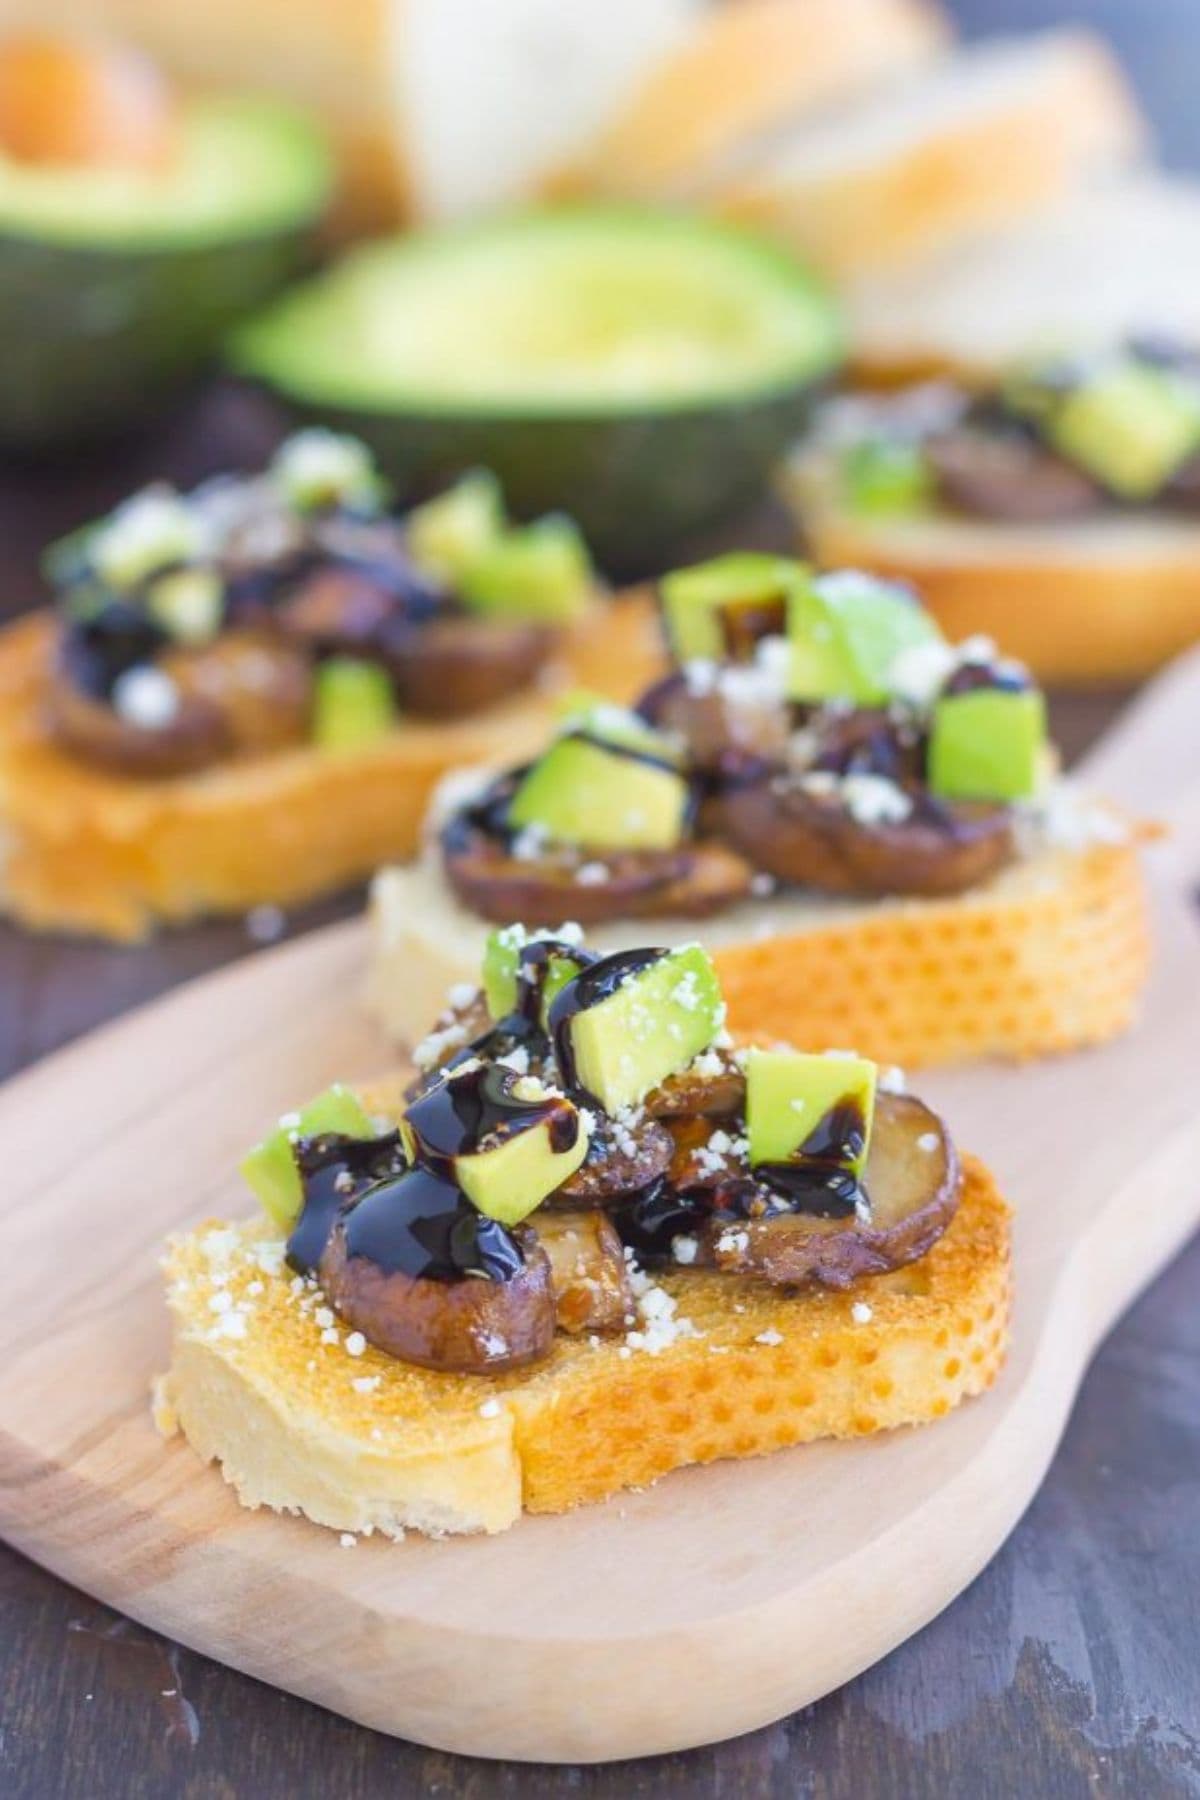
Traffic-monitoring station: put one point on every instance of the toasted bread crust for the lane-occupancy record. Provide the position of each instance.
(977, 172)
(1049, 955)
(85, 851)
(276, 1405)
(1074, 611)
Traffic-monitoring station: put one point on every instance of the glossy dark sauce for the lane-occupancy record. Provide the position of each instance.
(978, 677)
(420, 1224)
(596, 983)
(456, 1116)
(745, 623)
(818, 1178)
(332, 1170)
(97, 650)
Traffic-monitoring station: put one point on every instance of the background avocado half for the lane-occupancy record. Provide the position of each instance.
(640, 370)
(115, 286)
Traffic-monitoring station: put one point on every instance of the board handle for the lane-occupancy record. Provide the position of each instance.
(1149, 763)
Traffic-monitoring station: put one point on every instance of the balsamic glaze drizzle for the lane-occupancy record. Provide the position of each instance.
(422, 1225)
(333, 1169)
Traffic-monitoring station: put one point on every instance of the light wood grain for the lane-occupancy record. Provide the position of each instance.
(725, 1597)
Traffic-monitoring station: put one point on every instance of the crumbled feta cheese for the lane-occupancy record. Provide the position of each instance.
(771, 1337)
(145, 697)
(265, 924)
(431, 1049)
(490, 1409)
(874, 800)
(928, 1141)
(762, 885)
(347, 1540)
(529, 844)
(516, 1059)
(366, 1384)
(861, 1313)
(893, 1080)
(683, 1249)
(592, 874)
(324, 1317)
(462, 995)
(356, 1344)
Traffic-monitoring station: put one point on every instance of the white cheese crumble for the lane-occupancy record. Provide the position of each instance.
(265, 924)
(861, 1313)
(874, 800)
(928, 1141)
(489, 1409)
(592, 874)
(432, 1048)
(348, 1540)
(356, 1344)
(462, 995)
(684, 1249)
(146, 698)
(771, 1337)
(893, 1080)
(366, 1384)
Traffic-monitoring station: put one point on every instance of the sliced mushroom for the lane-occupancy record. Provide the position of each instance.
(91, 728)
(588, 1270)
(612, 1170)
(468, 1326)
(458, 665)
(912, 1180)
(810, 839)
(699, 878)
(732, 726)
(260, 687)
(716, 1091)
(1009, 475)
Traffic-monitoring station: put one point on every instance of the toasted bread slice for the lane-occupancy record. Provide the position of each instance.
(1108, 598)
(262, 1383)
(987, 136)
(1114, 261)
(744, 70)
(1048, 955)
(82, 850)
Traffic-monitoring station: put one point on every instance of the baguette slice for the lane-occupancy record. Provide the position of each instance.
(85, 851)
(744, 70)
(1049, 955)
(988, 136)
(367, 1443)
(1104, 599)
(438, 107)
(1117, 260)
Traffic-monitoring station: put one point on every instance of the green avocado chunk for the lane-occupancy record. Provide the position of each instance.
(449, 534)
(541, 571)
(353, 704)
(315, 469)
(511, 1179)
(795, 1102)
(885, 478)
(846, 629)
(1131, 426)
(270, 1168)
(716, 611)
(987, 745)
(501, 959)
(658, 1019)
(602, 797)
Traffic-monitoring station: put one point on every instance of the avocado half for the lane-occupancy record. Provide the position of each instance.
(640, 370)
(115, 286)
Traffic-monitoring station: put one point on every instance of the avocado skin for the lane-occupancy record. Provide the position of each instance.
(97, 340)
(636, 483)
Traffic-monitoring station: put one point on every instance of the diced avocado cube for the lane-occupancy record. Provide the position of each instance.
(885, 478)
(501, 959)
(541, 571)
(987, 745)
(623, 729)
(270, 1168)
(188, 604)
(353, 704)
(1130, 426)
(845, 630)
(149, 531)
(716, 611)
(806, 1106)
(450, 533)
(586, 793)
(317, 468)
(655, 1022)
(509, 1180)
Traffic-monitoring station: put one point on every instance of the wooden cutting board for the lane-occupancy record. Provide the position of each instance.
(722, 1599)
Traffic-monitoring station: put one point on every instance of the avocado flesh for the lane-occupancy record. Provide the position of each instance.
(640, 371)
(501, 961)
(584, 793)
(698, 602)
(353, 704)
(886, 479)
(509, 1181)
(270, 1168)
(653, 1026)
(450, 533)
(1130, 427)
(115, 288)
(846, 631)
(540, 571)
(790, 1094)
(987, 745)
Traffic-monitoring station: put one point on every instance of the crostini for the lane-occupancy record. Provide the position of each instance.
(590, 1242)
(866, 818)
(1055, 508)
(246, 694)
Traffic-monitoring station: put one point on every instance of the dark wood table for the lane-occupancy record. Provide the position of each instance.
(1069, 1668)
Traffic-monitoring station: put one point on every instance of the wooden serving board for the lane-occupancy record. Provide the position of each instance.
(722, 1599)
